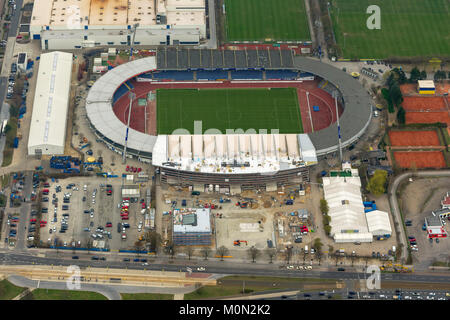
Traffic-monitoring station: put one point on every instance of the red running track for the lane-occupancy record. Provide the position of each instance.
(317, 97)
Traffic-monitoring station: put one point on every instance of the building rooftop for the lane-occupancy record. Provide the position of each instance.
(77, 13)
(191, 220)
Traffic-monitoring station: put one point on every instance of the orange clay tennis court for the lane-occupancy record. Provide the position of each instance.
(427, 117)
(424, 103)
(414, 138)
(421, 159)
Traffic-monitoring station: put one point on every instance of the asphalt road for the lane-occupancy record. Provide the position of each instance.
(13, 28)
(24, 216)
(14, 258)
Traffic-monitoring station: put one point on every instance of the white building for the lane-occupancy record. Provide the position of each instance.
(378, 223)
(349, 222)
(51, 104)
(73, 24)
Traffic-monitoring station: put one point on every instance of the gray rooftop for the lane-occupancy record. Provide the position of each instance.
(181, 59)
(357, 106)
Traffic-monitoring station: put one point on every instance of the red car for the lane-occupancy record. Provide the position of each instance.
(139, 170)
(125, 218)
(124, 214)
(412, 240)
(15, 220)
(206, 205)
(46, 185)
(126, 199)
(32, 220)
(143, 205)
(127, 169)
(134, 169)
(213, 206)
(43, 222)
(125, 207)
(108, 225)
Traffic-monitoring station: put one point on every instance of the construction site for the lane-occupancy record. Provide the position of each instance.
(253, 219)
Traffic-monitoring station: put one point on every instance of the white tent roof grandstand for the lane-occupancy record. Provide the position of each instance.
(51, 103)
(233, 153)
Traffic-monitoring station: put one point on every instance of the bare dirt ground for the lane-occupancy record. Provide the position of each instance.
(417, 200)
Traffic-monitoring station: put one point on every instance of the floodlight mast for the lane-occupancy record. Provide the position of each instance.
(124, 154)
(135, 26)
(335, 96)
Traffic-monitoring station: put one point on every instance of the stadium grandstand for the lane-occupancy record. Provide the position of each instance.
(235, 159)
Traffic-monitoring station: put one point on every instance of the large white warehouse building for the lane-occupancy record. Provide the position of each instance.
(349, 221)
(70, 24)
(51, 104)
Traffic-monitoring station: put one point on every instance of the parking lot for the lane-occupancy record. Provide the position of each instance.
(418, 199)
(88, 211)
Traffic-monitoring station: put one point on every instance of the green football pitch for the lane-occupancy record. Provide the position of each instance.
(409, 28)
(258, 20)
(223, 109)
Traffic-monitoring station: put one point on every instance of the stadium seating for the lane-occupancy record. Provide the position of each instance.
(281, 75)
(246, 75)
(121, 91)
(212, 75)
(174, 75)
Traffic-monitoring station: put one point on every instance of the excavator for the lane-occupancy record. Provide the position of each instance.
(238, 242)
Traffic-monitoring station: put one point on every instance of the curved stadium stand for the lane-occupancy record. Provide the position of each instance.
(123, 89)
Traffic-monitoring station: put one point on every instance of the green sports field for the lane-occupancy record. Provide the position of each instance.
(409, 28)
(258, 20)
(223, 109)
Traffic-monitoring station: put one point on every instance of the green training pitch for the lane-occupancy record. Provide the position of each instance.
(223, 109)
(258, 20)
(409, 28)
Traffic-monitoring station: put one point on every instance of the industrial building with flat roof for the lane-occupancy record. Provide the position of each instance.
(73, 24)
(51, 104)
(191, 227)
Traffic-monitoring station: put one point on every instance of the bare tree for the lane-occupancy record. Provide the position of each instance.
(319, 255)
(205, 252)
(189, 251)
(288, 254)
(253, 253)
(89, 245)
(271, 252)
(222, 251)
(138, 246)
(153, 240)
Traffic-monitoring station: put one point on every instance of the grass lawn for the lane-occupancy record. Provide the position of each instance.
(223, 109)
(146, 296)
(409, 28)
(50, 294)
(9, 291)
(232, 285)
(258, 20)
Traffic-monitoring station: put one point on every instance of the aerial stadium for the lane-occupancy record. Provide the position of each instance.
(253, 118)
